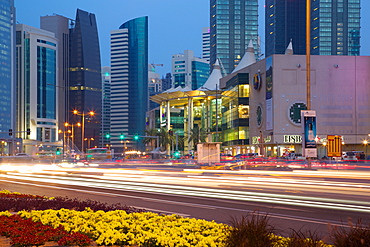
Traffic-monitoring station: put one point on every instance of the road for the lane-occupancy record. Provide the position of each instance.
(298, 199)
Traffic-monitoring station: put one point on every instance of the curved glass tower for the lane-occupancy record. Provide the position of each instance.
(85, 79)
(129, 80)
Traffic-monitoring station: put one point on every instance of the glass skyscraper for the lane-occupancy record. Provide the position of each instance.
(335, 27)
(85, 87)
(36, 79)
(7, 58)
(233, 24)
(129, 81)
(285, 21)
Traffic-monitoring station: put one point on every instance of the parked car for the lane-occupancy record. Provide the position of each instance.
(349, 155)
(246, 156)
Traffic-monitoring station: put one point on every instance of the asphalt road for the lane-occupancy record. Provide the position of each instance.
(300, 200)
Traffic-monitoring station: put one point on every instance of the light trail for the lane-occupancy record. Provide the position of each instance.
(189, 191)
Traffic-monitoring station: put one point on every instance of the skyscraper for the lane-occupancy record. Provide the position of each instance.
(59, 25)
(205, 43)
(36, 92)
(129, 81)
(335, 27)
(285, 21)
(7, 61)
(85, 78)
(188, 70)
(233, 24)
(105, 112)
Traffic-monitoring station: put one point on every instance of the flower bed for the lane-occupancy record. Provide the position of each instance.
(68, 224)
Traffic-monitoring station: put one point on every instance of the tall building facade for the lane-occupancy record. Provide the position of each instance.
(206, 52)
(59, 25)
(335, 27)
(85, 79)
(105, 111)
(129, 81)
(7, 61)
(285, 21)
(189, 71)
(233, 24)
(37, 98)
(154, 85)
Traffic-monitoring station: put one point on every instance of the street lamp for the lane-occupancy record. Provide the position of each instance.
(89, 141)
(90, 113)
(365, 142)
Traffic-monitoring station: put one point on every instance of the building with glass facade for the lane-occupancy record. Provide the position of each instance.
(233, 24)
(335, 27)
(35, 88)
(59, 25)
(129, 82)
(7, 61)
(105, 111)
(189, 71)
(85, 87)
(285, 21)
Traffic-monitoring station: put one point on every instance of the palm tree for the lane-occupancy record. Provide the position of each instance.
(150, 140)
(165, 139)
(197, 135)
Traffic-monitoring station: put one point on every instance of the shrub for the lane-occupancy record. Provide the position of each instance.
(304, 239)
(356, 235)
(252, 230)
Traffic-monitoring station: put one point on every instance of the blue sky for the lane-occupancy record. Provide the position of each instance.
(174, 25)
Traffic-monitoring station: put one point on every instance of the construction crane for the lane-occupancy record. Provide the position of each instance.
(155, 65)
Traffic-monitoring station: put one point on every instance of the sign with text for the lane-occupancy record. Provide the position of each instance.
(292, 139)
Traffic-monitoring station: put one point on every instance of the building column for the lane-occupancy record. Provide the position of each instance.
(190, 119)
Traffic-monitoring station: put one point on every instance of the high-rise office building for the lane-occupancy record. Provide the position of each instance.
(206, 53)
(85, 79)
(36, 79)
(129, 81)
(335, 27)
(285, 21)
(105, 111)
(233, 24)
(189, 71)
(7, 61)
(59, 25)
(166, 82)
(154, 85)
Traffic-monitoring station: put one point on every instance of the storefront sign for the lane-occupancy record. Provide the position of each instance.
(292, 139)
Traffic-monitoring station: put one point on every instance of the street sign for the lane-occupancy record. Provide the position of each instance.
(334, 146)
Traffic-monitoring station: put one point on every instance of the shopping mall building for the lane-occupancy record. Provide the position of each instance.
(257, 107)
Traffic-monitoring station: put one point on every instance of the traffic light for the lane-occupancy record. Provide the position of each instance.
(136, 137)
(10, 132)
(28, 132)
(107, 135)
(58, 151)
(121, 136)
(170, 132)
(176, 154)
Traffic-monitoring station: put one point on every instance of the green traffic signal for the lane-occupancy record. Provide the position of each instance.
(136, 137)
(58, 151)
(176, 154)
(121, 136)
(107, 135)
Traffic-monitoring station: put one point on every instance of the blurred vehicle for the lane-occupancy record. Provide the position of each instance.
(349, 155)
(98, 154)
(360, 155)
(295, 156)
(246, 156)
(226, 157)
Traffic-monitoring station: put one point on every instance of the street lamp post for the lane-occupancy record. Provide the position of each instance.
(365, 142)
(83, 115)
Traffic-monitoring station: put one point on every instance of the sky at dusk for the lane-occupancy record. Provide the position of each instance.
(174, 25)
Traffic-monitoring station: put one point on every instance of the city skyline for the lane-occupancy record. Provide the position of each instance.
(166, 38)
